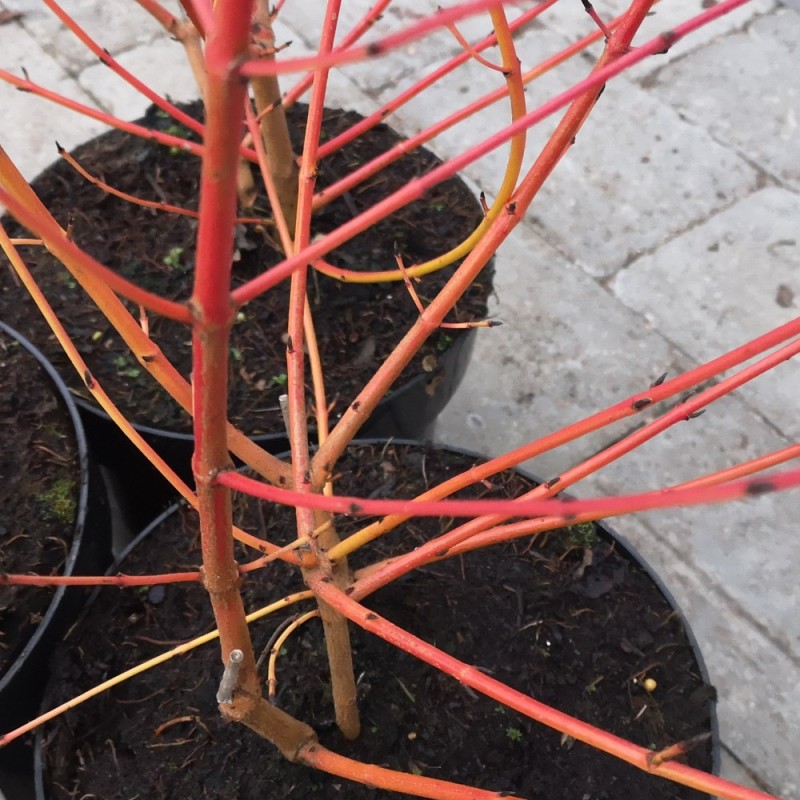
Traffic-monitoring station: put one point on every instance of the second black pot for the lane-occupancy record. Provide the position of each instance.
(487, 608)
(22, 682)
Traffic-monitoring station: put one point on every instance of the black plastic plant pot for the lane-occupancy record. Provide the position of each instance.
(357, 325)
(79, 499)
(139, 488)
(408, 412)
(487, 608)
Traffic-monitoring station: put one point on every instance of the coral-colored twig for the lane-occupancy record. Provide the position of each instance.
(315, 755)
(138, 201)
(122, 581)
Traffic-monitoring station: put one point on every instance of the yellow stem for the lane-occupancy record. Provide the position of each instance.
(272, 681)
(149, 664)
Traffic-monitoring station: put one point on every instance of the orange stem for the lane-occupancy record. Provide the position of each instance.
(315, 755)
(577, 729)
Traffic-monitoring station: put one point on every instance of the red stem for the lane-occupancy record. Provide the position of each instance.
(200, 13)
(565, 509)
(158, 12)
(213, 316)
(441, 19)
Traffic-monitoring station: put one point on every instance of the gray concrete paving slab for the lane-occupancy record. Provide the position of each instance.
(31, 125)
(761, 118)
(112, 28)
(730, 279)
(629, 183)
(160, 64)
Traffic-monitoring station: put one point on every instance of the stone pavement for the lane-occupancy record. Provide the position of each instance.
(668, 235)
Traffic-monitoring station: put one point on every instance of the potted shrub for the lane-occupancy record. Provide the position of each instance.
(307, 482)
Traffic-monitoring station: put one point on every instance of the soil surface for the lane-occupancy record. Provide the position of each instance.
(39, 491)
(583, 637)
(357, 325)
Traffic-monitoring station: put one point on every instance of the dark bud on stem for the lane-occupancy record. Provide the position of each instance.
(659, 380)
(27, 78)
(759, 487)
(692, 393)
(668, 37)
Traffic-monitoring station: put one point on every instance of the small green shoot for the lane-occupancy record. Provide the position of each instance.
(444, 342)
(514, 734)
(582, 535)
(125, 368)
(173, 258)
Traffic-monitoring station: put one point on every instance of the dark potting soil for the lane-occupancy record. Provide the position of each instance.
(357, 325)
(39, 491)
(534, 614)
